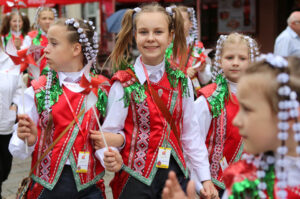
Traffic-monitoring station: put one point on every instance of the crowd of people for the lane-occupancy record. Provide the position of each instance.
(171, 125)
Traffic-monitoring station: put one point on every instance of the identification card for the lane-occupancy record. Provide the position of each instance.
(83, 162)
(196, 83)
(223, 163)
(163, 157)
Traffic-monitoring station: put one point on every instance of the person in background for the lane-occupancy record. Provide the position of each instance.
(288, 42)
(15, 26)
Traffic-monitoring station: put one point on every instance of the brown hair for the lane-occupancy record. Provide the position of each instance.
(125, 36)
(270, 73)
(185, 9)
(5, 28)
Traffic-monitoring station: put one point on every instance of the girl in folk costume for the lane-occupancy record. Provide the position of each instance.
(55, 104)
(195, 67)
(10, 90)
(217, 104)
(44, 17)
(15, 26)
(151, 104)
(268, 121)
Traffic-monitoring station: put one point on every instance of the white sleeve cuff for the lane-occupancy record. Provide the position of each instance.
(123, 134)
(100, 154)
(17, 147)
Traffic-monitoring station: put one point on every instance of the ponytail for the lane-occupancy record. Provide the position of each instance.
(121, 52)
(179, 46)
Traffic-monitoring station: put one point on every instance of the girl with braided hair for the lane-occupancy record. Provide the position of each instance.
(217, 104)
(151, 105)
(57, 103)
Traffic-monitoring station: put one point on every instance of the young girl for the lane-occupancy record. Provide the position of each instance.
(56, 103)
(44, 17)
(195, 67)
(268, 121)
(10, 90)
(269, 113)
(217, 104)
(15, 26)
(151, 105)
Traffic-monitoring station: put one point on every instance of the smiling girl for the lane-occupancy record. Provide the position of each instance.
(54, 117)
(15, 26)
(217, 105)
(151, 105)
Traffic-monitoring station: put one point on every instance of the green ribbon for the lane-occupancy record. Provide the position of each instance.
(169, 51)
(217, 99)
(55, 92)
(101, 102)
(269, 179)
(174, 76)
(7, 38)
(36, 41)
(244, 188)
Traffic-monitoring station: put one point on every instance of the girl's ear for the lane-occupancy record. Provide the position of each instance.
(77, 49)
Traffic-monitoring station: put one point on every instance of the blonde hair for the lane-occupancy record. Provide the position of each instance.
(125, 36)
(233, 38)
(271, 88)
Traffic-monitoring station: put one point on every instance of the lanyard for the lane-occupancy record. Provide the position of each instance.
(150, 90)
(75, 118)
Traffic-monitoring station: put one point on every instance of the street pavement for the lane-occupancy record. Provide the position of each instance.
(20, 169)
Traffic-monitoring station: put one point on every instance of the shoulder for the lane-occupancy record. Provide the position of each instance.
(33, 33)
(207, 91)
(125, 77)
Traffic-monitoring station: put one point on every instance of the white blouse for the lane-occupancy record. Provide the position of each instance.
(10, 90)
(193, 144)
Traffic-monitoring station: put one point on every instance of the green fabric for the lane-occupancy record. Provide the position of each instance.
(217, 99)
(101, 102)
(55, 92)
(36, 41)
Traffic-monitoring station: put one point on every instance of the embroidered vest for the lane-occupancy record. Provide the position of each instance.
(223, 139)
(146, 129)
(49, 170)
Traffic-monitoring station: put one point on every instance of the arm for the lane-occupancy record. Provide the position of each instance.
(17, 145)
(282, 46)
(193, 143)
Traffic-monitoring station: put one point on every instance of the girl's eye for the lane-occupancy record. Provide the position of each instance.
(158, 32)
(53, 43)
(143, 32)
(229, 57)
(245, 108)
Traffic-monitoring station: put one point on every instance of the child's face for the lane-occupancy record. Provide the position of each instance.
(152, 36)
(46, 18)
(256, 121)
(59, 51)
(187, 23)
(234, 60)
(15, 20)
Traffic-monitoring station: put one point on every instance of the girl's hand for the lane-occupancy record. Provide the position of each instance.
(112, 160)
(209, 191)
(18, 43)
(97, 139)
(191, 72)
(173, 190)
(27, 129)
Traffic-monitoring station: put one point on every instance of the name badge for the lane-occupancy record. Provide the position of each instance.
(83, 162)
(163, 157)
(223, 163)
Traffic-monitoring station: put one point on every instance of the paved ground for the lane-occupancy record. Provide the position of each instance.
(20, 169)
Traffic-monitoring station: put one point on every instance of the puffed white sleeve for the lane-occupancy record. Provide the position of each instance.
(193, 143)
(116, 115)
(16, 145)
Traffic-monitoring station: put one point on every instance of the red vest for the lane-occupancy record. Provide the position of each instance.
(223, 139)
(146, 130)
(49, 170)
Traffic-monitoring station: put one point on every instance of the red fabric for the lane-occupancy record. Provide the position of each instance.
(219, 127)
(157, 129)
